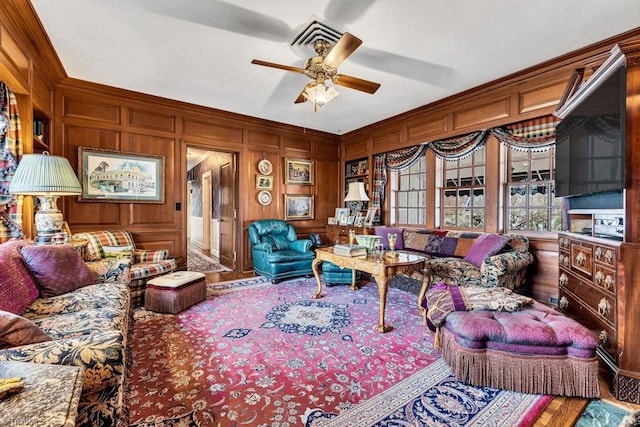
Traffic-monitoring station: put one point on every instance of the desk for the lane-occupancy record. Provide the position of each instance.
(50, 396)
(381, 270)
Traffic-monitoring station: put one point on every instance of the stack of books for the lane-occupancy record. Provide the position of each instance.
(350, 250)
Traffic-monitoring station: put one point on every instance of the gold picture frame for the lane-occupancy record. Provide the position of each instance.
(298, 207)
(298, 171)
(264, 182)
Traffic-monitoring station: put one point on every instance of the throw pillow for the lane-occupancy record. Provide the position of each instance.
(17, 288)
(111, 270)
(384, 232)
(16, 330)
(485, 246)
(117, 251)
(57, 269)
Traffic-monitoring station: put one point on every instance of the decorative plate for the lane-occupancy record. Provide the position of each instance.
(264, 198)
(265, 167)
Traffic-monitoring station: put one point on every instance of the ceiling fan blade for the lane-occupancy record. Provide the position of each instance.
(341, 51)
(346, 12)
(404, 66)
(224, 16)
(356, 83)
(301, 98)
(279, 66)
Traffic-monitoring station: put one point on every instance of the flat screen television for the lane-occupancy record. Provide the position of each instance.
(590, 142)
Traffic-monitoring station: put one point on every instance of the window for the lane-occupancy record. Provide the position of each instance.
(531, 201)
(408, 194)
(463, 201)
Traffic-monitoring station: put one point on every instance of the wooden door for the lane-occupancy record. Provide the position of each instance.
(228, 215)
(206, 211)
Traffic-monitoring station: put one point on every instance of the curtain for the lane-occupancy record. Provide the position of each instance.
(10, 151)
(394, 160)
(535, 134)
(459, 146)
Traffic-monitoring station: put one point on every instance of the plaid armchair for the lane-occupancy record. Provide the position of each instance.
(145, 264)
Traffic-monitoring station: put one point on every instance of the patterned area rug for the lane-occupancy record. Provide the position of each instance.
(202, 263)
(259, 354)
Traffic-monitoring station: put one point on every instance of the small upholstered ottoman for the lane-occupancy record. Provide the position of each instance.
(533, 350)
(334, 275)
(174, 292)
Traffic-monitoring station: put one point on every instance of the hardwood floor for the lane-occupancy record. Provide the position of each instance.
(561, 412)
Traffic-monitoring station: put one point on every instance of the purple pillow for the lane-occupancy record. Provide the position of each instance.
(17, 288)
(485, 246)
(384, 231)
(57, 269)
(16, 331)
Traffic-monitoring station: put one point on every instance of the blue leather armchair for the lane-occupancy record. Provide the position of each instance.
(277, 252)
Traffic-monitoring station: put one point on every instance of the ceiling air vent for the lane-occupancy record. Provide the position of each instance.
(313, 31)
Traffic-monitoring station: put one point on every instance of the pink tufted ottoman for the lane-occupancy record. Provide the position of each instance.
(534, 350)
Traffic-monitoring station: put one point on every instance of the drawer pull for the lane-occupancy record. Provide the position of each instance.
(598, 253)
(565, 261)
(581, 259)
(603, 307)
(563, 279)
(563, 303)
(608, 256)
(603, 337)
(608, 282)
(599, 277)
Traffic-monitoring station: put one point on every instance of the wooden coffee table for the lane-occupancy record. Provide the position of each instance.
(392, 263)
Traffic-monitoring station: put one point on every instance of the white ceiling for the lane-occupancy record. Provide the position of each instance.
(200, 51)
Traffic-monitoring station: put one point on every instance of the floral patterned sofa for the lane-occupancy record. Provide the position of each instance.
(465, 258)
(57, 309)
(145, 266)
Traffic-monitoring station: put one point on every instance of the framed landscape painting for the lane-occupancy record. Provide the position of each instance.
(298, 171)
(119, 177)
(298, 207)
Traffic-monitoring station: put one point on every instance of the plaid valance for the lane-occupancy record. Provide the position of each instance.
(404, 158)
(459, 146)
(532, 134)
(10, 150)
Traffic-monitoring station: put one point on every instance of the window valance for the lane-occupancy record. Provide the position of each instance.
(459, 146)
(534, 134)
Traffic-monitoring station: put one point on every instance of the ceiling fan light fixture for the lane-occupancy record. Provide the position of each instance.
(319, 94)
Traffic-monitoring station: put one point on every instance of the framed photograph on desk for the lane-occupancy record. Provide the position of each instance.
(371, 215)
(342, 216)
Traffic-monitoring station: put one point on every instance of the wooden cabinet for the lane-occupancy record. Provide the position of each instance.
(340, 233)
(591, 290)
(356, 171)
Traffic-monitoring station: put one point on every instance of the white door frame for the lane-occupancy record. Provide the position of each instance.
(206, 210)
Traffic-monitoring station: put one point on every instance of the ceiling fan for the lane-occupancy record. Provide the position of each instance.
(324, 67)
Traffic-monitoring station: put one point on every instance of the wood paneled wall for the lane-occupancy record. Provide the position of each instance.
(96, 116)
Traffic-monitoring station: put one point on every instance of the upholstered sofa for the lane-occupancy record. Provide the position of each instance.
(277, 252)
(145, 264)
(465, 258)
(57, 309)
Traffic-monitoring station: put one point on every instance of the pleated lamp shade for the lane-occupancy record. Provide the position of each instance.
(42, 174)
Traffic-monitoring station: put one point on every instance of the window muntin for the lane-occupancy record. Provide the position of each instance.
(463, 195)
(531, 202)
(408, 194)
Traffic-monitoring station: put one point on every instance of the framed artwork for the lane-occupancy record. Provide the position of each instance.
(332, 220)
(265, 167)
(298, 171)
(119, 177)
(342, 216)
(298, 207)
(264, 182)
(371, 214)
(359, 221)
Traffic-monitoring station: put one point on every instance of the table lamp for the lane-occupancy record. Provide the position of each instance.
(355, 196)
(46, 177)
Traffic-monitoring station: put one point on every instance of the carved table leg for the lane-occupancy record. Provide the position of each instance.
(315, 266)
(426, 278)
(383, 286)
(354, 287)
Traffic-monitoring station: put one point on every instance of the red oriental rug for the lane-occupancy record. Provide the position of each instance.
(262, 354)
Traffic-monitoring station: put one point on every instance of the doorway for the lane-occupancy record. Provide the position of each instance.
(212, 203)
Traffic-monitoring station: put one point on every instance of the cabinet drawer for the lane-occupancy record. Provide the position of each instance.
(582, 258)
(601, 304)
(606, 255)
(578, 310)
(605, 278)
